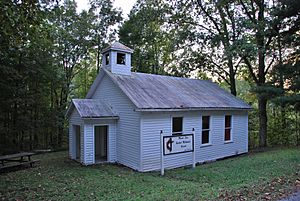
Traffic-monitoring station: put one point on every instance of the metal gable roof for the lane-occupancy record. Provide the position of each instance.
(117, 46)
(148, 91)
(93, 108)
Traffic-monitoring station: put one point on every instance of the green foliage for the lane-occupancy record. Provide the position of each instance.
(47, 51)
(211, 31)
(286, 76)
(71, 44)
(104, 19)
(249, 177)
(84, 79)
(284, 127)
(26, 71)
(262, 44)
(146, 33)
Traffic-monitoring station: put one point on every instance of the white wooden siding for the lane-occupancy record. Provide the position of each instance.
(152, 123)
(90, 138)
(128, 124)
(88, 142)
(117, 68)
(73, 120)
(219, 148)
(112, 154)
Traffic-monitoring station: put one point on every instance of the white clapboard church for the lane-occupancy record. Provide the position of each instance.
(124, 114)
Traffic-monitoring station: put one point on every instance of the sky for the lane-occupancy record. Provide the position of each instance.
(125, 5)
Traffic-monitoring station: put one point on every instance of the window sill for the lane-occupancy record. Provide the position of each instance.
(205, 145)
(177, 133)
(228, 142)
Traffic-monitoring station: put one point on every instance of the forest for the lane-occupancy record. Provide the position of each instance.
(50, 53)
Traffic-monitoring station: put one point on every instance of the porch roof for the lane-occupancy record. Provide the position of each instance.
(93, 108)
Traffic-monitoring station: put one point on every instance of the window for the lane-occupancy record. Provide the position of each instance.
(107, 59)
(177, 125)
(121, 58)
(227, 136)
(205, 130)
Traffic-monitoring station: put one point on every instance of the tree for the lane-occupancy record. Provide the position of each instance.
(84, 79)
(261, 28)
(72, 40)
(75, 36)
(144, 31)
(46, 47)
(244, 32)
(286, 71)
(105, 17)
(211, 27)
(25, 67)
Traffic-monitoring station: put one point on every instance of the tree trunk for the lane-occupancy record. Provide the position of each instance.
(98, 59)
(297, 128)
(281, 81)
(60, 136)
(226, 42)
(262, 111)
(98, 55)
(232, 77)
(262, 99)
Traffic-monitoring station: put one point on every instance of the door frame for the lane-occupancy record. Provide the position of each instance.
(107, 143)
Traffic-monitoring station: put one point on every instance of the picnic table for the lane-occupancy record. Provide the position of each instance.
(17, 160)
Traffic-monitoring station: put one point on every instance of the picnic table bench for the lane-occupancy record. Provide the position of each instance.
(17, 160)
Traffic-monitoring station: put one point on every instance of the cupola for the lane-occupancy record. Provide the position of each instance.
(117, 58)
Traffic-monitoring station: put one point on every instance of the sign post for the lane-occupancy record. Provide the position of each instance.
(176, 144)
(162, 169)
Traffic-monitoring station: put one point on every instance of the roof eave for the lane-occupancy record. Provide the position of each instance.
(102, 118)
(95, 84)
(69, 110)
(190, 109)
(116, 49)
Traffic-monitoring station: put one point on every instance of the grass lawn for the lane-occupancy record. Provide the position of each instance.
(255, 176)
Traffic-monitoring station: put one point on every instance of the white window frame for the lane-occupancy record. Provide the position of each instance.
(230, 128)
(123, 53)
(209, 129)
(107, 58)
(177, 133)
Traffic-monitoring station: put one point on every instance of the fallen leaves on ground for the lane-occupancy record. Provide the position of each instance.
(277, 189)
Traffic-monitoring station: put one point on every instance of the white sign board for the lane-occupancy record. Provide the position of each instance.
(178, 144)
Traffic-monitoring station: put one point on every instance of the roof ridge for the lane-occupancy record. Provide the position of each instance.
(170, 76)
